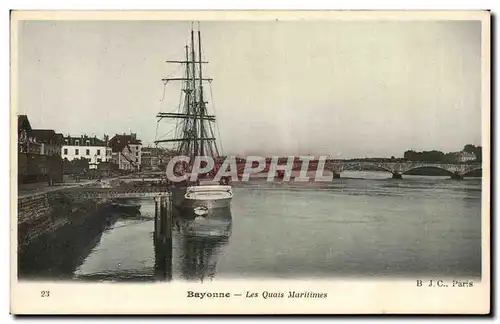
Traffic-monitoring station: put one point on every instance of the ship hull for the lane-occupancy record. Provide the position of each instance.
(209, 204)
(202, 199)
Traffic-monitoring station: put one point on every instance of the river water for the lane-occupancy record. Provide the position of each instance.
(362, 225)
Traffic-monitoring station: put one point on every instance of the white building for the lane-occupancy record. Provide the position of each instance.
(90, 148)
(466, 156)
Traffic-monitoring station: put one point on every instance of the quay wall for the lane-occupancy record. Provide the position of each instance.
(44, 213)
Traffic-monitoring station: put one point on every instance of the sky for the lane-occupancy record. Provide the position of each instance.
(341, 88)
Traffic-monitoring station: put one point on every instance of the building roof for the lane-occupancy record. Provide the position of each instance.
(60, 137)
(119, 142)
(43, 135)
(83, 140)
(23, 123)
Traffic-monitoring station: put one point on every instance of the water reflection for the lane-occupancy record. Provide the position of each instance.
(200, 240)
(59, 253)
(163, 260)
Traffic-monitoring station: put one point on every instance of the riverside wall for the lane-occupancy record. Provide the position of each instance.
(47, 212)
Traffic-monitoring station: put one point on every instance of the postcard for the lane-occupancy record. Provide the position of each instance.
(250, 162)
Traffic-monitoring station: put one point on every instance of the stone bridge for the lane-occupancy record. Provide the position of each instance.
(457, 171)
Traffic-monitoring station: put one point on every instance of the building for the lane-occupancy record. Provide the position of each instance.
(39, 153)
(93, 149)
(465, 157)
(23, 129)
(109, 151)
(150, 160)
(25, 142)
(50, 141)
(126, 151)
(155, 158)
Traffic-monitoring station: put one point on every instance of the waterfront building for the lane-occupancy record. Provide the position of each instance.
(465, 157)
(39, 153)
(37, 141)
(155, 158)
(93, 149)
(149, 159)
(126, 151)
(23, 130)
(49, 141)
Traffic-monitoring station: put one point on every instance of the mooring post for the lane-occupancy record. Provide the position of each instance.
(167, 218)
(163, 247)
(156, 221)
(161, 224)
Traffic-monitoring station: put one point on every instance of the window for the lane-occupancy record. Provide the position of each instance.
(77, 142)
(98, 152)
(77, 151)
(65, 151)
(88, 143)
(136, 153)
(87, 152)
(99, 160)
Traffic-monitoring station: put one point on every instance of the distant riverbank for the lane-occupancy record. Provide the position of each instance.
(439, 172)
(425, 171)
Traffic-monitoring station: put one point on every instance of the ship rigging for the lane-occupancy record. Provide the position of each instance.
(195, 136)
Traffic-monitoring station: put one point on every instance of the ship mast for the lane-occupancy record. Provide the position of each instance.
(201, 103)
(187, 92)
(194, 104)
(194, 139)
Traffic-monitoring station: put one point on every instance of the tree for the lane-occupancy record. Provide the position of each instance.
(469, 148)
(425, 156)
(476, 150)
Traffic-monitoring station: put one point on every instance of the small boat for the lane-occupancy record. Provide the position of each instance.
(126, 208)
(195, 137)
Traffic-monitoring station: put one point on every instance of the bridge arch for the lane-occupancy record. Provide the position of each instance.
(428, 167)
(351, 167)
(361, 166)
(381, 168)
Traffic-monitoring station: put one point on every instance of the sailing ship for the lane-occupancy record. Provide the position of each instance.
(195, 136)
